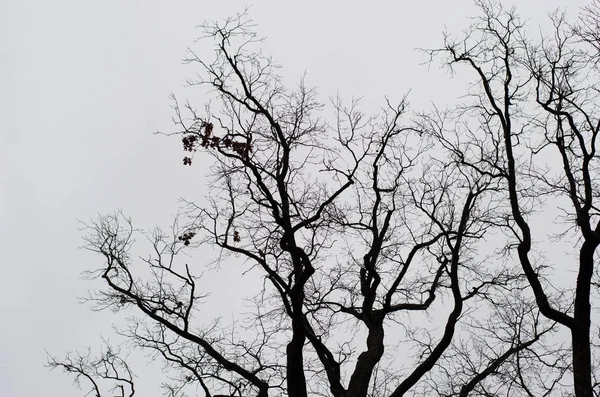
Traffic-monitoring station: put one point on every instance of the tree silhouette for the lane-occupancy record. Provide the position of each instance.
(354, 230)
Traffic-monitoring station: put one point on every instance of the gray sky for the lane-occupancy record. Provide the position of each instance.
(83, 84)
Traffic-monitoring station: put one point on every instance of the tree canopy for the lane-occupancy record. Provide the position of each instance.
(385, 255)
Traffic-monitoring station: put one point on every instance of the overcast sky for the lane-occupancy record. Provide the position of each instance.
(83, 84)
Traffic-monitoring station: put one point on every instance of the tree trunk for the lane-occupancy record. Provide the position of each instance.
(580, 334)
(582, 371)
(367, 360)
(296, 380)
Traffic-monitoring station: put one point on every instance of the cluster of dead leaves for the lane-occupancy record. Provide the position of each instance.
(190, 143)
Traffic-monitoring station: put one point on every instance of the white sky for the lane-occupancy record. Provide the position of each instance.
(83, 84)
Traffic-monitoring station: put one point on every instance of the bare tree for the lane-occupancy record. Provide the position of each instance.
(349, 225)
(544, 156)
(352, 231)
